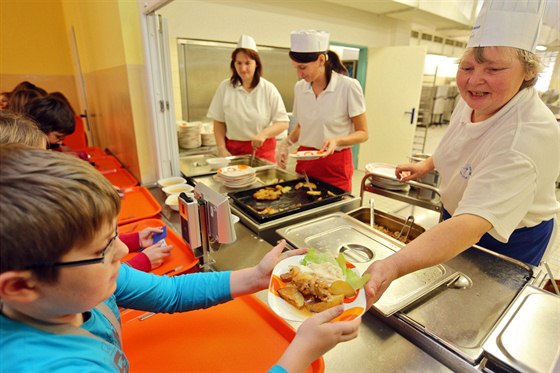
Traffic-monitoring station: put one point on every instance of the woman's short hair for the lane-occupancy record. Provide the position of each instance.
(52, 114)
(235, 78)
(51, 203)
(16, 128)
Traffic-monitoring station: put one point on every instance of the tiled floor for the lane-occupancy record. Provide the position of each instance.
(427, 218)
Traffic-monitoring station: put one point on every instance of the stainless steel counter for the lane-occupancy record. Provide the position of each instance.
(378, 348)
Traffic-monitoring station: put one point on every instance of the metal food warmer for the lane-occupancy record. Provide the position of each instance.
(471, 313)
(332, 199)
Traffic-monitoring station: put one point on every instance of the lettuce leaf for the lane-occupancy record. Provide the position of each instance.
(316, 256)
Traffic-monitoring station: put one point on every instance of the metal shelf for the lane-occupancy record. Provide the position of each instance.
(419, 194)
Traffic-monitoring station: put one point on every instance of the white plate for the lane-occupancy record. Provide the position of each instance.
(353, 307)
(308, 155)
(382, 169)
(231, 172)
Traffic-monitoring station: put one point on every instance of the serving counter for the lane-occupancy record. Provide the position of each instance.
(378, 348)
(451, 326)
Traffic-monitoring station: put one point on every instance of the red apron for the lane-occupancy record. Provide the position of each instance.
(336, 169)
(266, 151)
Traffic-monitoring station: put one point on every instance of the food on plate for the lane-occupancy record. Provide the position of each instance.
(314, 192)
(305, 185)
(320, 282)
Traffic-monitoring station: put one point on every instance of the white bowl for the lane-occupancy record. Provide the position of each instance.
(216, 163)
(173, 201)
(177, 189)
(171, 181)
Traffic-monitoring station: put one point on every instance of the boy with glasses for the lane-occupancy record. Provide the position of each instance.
(61, 281)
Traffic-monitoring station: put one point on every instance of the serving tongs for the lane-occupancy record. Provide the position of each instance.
(307, 183)
(252, 159)
(406, 226)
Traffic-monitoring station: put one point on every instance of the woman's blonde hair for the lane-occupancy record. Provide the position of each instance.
(16, 128)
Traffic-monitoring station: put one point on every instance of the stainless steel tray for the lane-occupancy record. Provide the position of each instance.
(195, 165)
(335, 231)
(527, 338)
(264, 176)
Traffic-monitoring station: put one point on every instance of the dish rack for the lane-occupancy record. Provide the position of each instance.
(419, 194)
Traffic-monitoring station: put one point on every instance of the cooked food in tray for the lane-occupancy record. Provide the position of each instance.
(271, 193)
(320, 282)
(309, 185)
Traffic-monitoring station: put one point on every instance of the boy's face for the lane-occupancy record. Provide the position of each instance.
(80, 288)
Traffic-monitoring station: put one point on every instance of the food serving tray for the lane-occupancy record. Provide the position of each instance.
(288, 203)
(242, 335)
(137, 204)
(526, 339)
(120, 177)
(181, 259)
(105, 163)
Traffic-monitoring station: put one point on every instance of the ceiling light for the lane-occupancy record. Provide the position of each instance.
(541, 48)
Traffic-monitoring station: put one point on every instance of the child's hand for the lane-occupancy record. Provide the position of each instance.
(269, 261)
(146, 236)
(316, 336)
(157, 253)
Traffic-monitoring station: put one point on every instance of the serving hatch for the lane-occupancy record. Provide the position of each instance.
(289, 202)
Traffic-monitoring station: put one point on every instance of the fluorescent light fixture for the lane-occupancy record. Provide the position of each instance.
(541, 48)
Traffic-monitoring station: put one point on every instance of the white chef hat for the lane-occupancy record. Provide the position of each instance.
(309, 41)
(247, 42)
(508, 23)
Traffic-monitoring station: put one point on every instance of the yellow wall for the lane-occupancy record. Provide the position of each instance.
(34, 47)
(109, 42)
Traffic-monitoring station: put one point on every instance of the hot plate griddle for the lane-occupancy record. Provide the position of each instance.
(289, 203)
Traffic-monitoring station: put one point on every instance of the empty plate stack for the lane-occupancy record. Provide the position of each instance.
(382, 175)
(237, 176)
(189, 135)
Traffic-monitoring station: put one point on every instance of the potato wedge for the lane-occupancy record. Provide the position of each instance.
(292, 295)
(342, 287)
(335, 300)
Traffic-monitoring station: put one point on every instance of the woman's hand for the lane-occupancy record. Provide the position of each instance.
(315, 337)
(157, 253)
(223, 152)
(329, 146)
(413, 171)
(282, 151)
(382, 275)
(258, 140)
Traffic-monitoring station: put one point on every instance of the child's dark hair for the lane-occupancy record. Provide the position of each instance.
(52, 114)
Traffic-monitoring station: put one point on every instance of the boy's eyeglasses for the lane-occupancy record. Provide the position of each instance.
(84, 262)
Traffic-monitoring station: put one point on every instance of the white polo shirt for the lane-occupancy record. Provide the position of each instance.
(328, 115)
(247, 113)
(502, 169)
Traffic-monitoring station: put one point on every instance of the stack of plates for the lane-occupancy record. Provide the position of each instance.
(382, 175)
(189, 135)
(208, 139)
(237, 176)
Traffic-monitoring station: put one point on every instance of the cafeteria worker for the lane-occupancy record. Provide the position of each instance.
(330, 111)
(499, 158)
(247, 110)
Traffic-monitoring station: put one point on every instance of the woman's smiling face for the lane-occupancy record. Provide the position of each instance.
(487, 86)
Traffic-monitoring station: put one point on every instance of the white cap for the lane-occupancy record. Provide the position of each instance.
(309, 41)
(247, 42)
(508, 23)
